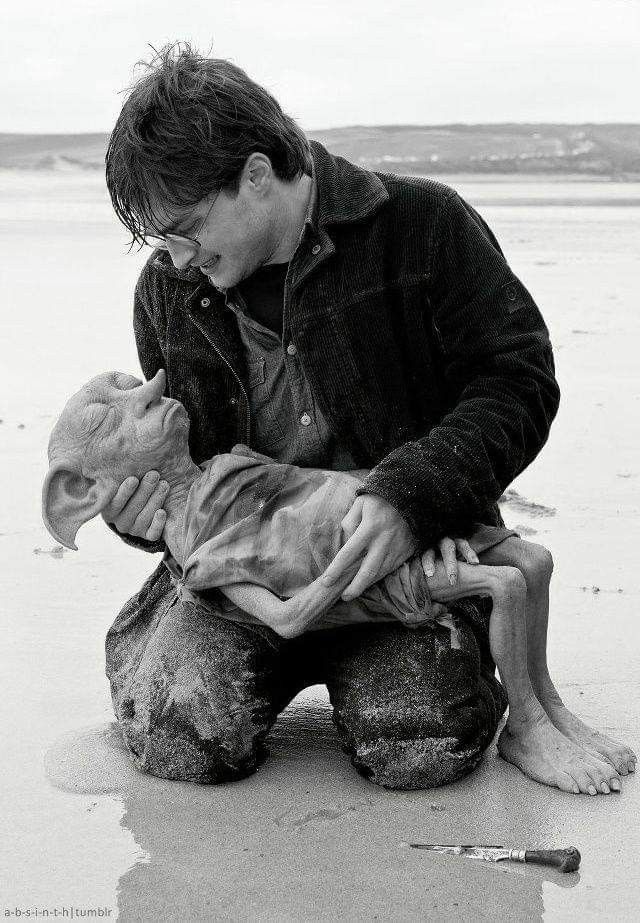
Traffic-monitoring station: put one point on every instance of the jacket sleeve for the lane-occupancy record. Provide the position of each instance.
(499, 379)
(151, 359)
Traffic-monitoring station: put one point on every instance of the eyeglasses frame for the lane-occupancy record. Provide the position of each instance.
(180, 239)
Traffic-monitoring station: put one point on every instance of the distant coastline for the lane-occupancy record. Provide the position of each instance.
(597, 151)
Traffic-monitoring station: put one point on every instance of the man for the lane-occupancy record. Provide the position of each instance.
(329, 317)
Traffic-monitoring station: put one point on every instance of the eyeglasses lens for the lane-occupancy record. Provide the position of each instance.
(165, 243)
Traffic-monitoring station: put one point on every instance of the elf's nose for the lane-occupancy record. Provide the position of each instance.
(150, 392)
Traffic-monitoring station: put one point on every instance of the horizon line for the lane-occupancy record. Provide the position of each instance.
(360, 125)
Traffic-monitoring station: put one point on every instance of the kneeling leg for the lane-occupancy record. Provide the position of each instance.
(414, 709)
(194, 694)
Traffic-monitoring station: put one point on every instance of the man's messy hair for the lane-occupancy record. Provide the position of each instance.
(185, 131)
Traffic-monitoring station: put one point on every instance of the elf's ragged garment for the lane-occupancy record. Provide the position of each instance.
(252, 520)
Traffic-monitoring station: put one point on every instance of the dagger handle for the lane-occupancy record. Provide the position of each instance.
(566, 860)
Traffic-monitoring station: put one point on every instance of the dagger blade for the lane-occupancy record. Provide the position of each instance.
(486, 853)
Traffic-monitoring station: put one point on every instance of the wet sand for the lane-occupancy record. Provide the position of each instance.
(306, 838)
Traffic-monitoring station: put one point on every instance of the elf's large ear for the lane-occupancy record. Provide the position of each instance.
(69, 499)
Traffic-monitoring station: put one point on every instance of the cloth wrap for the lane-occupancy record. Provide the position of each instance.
(250, 519)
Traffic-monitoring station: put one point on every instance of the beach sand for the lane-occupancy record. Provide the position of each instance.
(306, 838)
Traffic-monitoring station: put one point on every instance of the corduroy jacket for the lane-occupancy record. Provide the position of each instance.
(427, 356)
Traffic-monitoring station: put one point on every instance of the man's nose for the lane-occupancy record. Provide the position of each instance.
(181, 253)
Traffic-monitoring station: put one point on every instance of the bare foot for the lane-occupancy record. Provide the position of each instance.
(618, 754)
(543, 753)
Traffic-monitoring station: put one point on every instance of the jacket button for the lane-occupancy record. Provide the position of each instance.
(205, 302)
(316, 249)
(233, 401)
(305, 419)
(291, 349)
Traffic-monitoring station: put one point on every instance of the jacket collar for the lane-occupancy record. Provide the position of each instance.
(345, 193)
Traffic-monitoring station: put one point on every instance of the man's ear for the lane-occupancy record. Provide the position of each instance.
(258, 172)
(69, 499)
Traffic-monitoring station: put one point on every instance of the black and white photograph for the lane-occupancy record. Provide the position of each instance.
(320, 461)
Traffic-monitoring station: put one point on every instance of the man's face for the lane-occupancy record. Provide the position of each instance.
(119, 426)
(237, 232)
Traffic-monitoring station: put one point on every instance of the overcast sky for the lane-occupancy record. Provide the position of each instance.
(333, 62)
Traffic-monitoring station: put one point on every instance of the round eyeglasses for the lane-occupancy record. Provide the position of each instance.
(162, 242)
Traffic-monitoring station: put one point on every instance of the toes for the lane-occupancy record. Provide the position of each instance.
(602, 766)
(566, 783)
(584, 782)
(601, 777)
(626, 755)
(623, 760)
(613, 781)
(622, 764)
(594, 780)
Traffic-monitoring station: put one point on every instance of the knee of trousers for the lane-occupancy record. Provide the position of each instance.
(180, 742)
(406, 754)
(420, 763)
(174, 695)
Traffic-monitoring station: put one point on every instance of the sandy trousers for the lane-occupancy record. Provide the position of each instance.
(196, 695)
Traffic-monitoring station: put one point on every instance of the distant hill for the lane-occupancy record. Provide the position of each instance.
(596, 150)
(607, 151)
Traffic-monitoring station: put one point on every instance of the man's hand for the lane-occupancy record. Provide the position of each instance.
(376, 535)
(136, 508)
(451, 550)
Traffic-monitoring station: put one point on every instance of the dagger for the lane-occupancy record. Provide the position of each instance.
(566, 860)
